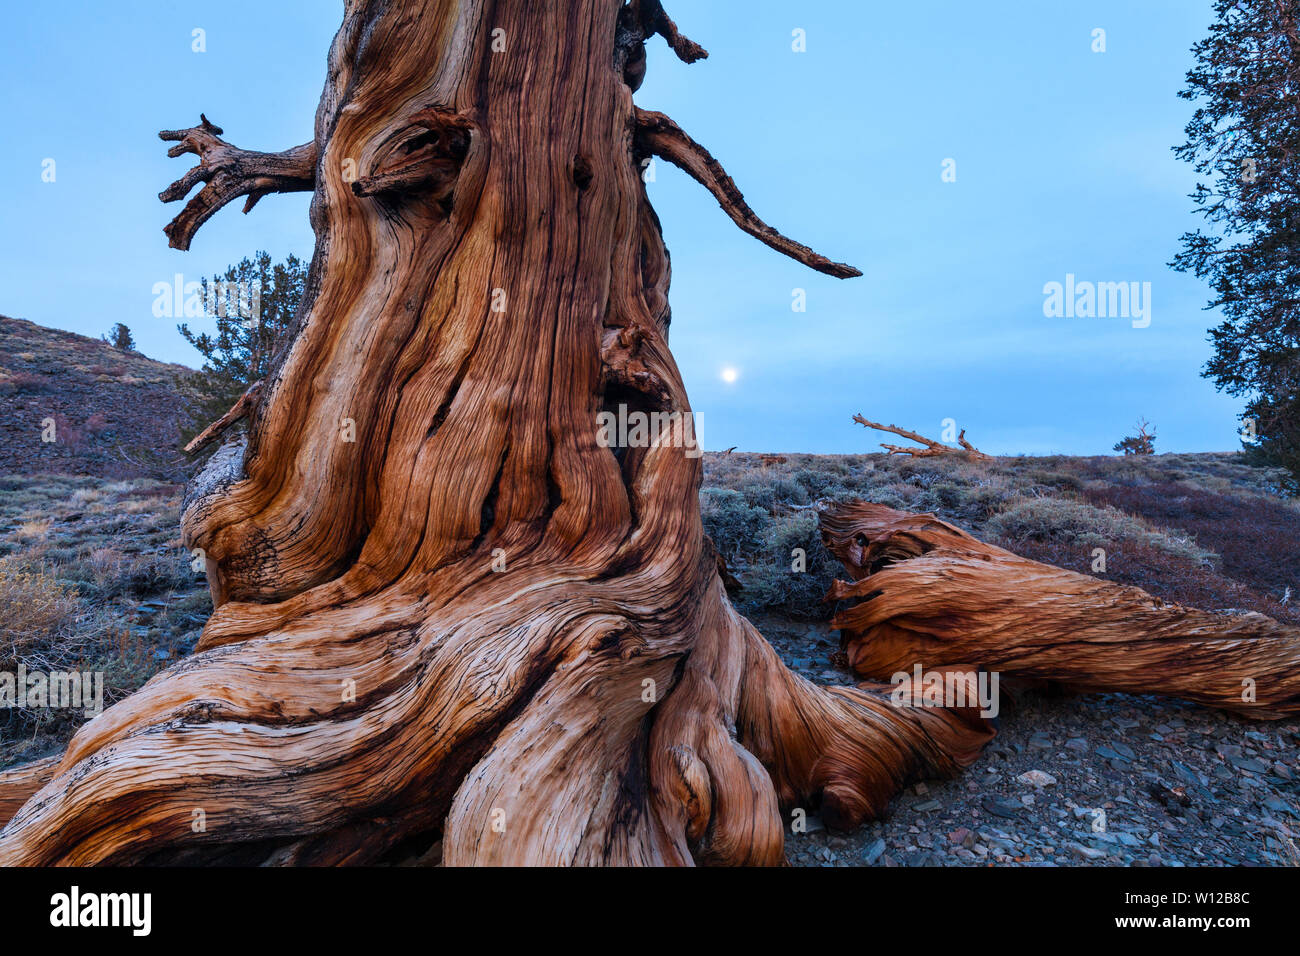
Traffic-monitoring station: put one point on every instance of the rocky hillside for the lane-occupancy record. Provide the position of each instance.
(110, 413)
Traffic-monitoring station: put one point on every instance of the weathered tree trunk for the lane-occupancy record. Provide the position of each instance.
(444, 608)
(930, 594)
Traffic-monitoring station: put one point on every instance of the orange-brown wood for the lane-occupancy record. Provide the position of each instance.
(927, 593)
(445, 610)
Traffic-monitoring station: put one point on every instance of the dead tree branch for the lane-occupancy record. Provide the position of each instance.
(229, 172)
(660, 136)
(931, 448)
(931, 594)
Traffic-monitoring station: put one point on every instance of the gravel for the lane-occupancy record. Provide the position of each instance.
(1086, 780)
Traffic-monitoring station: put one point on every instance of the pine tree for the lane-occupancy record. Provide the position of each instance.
(253, 306)
(1245, 135)
(1143, 443)
(119, 336)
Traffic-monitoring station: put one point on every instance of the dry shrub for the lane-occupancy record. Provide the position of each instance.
(105, 565)
(29, 382)
(97, 423)
(85, 496)
(37, 529)
(1076, 522)
(1258, 537)
(38, 621)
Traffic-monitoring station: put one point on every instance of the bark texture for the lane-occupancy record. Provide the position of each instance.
(444, 609)
(928, 593)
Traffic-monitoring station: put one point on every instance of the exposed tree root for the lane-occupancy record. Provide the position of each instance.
(930, 594)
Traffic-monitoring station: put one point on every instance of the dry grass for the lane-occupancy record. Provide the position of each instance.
(38, 618)
(93, 573)
(33, 530)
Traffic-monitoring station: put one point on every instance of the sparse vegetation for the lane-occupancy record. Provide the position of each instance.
(1204, 530)
(113, 412)
(92, 577)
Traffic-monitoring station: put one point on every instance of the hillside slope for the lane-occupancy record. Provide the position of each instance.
(114, 413)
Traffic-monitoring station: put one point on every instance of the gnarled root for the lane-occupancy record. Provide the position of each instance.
(742, 739)
(250, 753)
(932, 595)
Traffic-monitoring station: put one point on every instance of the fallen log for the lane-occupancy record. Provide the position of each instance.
(932, 595)
(929, 447)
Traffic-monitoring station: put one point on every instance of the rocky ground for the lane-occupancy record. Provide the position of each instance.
(1088, 780)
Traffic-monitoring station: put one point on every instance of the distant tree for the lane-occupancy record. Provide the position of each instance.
(253, 305)
(1143, 443)
(1245, 134)
(119, 336)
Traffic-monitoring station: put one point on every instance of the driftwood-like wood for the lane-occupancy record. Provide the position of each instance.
(444, 609)
(928, 593)
(229, 172)
(930, 448)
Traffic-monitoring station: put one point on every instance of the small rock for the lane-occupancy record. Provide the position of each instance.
(1036, 778)
(1112, 753)
(1085, 852)
(874, 851)
(1252, 765)
(1000, 807)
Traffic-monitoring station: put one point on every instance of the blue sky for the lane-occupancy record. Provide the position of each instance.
(1063, 165)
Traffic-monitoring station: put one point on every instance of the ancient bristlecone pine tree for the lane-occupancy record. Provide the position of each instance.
(472, 622)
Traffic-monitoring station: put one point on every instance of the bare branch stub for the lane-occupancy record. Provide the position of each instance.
(243, 408)
(660, 136)
(637, 22)
(930, 448)
(229, 172)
